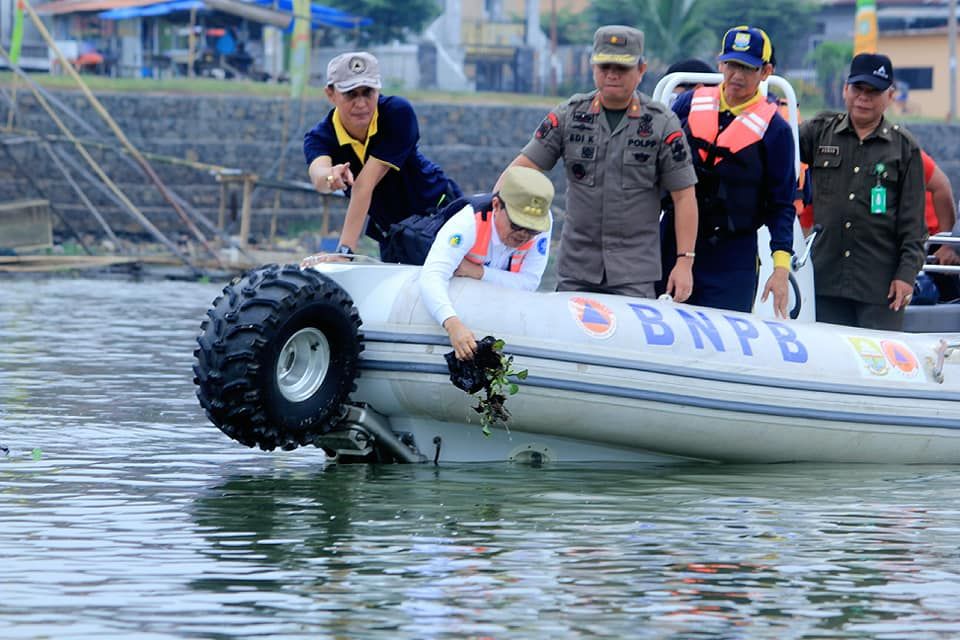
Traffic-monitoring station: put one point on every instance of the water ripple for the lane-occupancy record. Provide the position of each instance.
(126, 514)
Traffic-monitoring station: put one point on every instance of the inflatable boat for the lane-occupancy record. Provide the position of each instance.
(345, 357)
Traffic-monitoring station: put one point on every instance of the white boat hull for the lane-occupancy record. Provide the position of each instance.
(612, 377)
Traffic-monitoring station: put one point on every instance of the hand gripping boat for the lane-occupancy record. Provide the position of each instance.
(345, 357)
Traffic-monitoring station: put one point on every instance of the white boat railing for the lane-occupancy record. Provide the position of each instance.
(943, 237)
(669, 82)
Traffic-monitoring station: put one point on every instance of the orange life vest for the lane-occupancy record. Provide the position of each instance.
(746, 129)
(478, 252)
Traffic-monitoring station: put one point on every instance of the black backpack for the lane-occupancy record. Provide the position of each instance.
(409, 241)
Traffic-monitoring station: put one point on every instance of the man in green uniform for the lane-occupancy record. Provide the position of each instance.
(619, 150)
(868, 194)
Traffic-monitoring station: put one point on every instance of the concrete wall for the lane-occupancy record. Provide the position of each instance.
(471, 142)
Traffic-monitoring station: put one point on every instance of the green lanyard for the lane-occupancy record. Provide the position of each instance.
(878, 195)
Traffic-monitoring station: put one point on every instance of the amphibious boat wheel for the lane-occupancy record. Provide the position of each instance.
(278, 357)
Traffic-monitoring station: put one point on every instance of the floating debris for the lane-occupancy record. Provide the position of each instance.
(488, 371)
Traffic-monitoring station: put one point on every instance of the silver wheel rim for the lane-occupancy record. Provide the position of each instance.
(303, 364)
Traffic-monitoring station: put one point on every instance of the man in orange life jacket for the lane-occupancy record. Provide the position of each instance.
(744, 158)
(504, 241)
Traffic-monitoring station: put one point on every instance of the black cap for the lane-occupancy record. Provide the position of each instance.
(691, 65)
(874, 69)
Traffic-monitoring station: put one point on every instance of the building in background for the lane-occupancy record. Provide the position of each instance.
(498, 45)
(914, 34)
(33, 52)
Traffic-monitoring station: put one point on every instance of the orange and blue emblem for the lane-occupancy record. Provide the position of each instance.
(595, 318)
(900, 356)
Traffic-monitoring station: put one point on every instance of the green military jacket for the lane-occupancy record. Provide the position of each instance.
(614, 184)
(859, 253)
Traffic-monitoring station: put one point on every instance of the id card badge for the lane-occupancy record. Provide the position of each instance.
(878, 200)
(878, 195)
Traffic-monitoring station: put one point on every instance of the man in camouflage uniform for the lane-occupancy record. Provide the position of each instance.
(619, 151)
(868, 194)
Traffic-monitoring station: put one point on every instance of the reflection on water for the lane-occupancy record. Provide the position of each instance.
(125, 514)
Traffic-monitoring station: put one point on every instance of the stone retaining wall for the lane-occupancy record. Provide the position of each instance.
(471, 142)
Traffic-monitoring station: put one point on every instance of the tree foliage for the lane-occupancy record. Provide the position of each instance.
(787, 23)
(391, 20)
(572, 28)
(673, 30)
(830, 60)
(680, 29)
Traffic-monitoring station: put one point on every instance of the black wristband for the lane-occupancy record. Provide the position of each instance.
(344, 250)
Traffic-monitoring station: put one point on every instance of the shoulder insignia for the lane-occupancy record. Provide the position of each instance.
(549, 123)
(673, 136)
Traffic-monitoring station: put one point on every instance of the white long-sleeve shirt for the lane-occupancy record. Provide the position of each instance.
(454, 241)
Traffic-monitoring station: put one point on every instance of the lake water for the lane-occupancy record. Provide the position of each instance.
(125, 514)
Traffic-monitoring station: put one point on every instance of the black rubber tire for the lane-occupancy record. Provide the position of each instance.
(241, 341)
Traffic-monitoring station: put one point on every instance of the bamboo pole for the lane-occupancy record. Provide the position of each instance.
(36, 187)
(248, 182)
(80, 194)
(13, 103)
(127, 204)
(115, 128)
(192, 42)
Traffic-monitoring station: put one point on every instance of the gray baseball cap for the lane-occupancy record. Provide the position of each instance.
(353, 69)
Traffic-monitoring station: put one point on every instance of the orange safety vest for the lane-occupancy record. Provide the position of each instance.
(478, 252)
(746, 129)
(804, 210)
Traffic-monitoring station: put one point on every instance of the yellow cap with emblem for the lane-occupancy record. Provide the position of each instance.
(527, 193)
(617, 44)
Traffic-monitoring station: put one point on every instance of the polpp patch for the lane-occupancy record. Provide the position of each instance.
(595, 318)
(542, 246)
(455, 240)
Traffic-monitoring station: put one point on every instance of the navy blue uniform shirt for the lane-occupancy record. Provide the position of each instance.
(414, 184)
(779, 177)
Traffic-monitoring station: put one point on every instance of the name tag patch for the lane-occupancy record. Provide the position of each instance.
(829, 150)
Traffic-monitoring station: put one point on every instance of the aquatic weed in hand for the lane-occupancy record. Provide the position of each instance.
(488, 371)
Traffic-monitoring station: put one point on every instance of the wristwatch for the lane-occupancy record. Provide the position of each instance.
(344, 250)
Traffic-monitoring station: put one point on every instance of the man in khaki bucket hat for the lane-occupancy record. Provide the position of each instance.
(501, 238)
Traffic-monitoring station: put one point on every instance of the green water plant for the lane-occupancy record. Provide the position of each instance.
(499, 385)
(490, 377)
